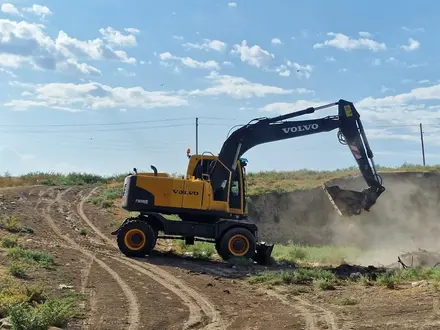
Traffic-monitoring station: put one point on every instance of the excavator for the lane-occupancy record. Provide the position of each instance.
(209, 203)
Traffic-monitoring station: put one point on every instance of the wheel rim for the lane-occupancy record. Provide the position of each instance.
(238, 245)
(135, 239)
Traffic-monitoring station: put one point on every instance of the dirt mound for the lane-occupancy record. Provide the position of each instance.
(405, 218)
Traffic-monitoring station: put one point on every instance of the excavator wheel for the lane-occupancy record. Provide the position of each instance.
(236, 242)
(136, 238)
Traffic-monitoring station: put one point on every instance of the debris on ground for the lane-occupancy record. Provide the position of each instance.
(415, 259)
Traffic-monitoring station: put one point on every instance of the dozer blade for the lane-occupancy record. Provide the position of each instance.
(350, 202)
(263, 253)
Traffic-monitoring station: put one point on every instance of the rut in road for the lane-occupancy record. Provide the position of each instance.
(308, 311)
(195, 301)
(133, 317)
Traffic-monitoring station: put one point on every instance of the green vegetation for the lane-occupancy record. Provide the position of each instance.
(258, 182)
(300, 254)
(200, 250)
(29, 307)
(25, 303)
(264, 182)
(13, 225)
(107, 197)
(52, 179)
(322, 279)
(347, 301)
(20, 259)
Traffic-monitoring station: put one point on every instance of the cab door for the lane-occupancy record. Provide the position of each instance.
(236, 191)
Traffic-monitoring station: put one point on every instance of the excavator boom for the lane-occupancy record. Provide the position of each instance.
(350, 133)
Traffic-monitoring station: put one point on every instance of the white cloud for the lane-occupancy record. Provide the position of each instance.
(413, 30)
(365, 34)
(178, 37)
(232, 4)
(132, 30)
(286, 107)
(189, 62)
(9, 8)
(94, 96)
(126, 73)
(341, 41)
(384, 89)
(425, 81)
(38, 10)
(413, 45)
(418, 105)
(330, 59)
(255, 55)
(216, 45)
(301, 70)
(8, 72)
(26, 44)
(115, 37)
(238, 88)
(376, 62)
(276, 41)
(227, 63)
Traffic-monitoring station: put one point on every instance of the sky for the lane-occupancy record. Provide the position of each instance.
(105, 86)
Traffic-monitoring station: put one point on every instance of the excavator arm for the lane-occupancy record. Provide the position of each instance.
(264, 130)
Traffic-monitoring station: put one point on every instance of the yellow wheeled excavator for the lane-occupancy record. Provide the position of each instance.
(211, 200)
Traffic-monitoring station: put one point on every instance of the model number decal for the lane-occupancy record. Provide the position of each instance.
(185, 192)
(142, 201)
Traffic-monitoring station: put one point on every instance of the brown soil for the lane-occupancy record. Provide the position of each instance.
(165, 291)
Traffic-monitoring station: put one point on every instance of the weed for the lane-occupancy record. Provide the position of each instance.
(200, 250)
(17, 270)
(42, 259)
(52, 312)
(9, 242)
(106, 199)
(83, 232)
(324, 284)
(296, 253)
(347, 301)
(13, 225)
(323, 279)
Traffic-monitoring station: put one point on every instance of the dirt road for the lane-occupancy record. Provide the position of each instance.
(168, 292)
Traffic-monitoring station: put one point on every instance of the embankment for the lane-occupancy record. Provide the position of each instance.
(406, 216)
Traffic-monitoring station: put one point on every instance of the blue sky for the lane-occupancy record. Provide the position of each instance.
(105, 86)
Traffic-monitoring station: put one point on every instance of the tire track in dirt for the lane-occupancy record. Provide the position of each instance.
(308, 311)
(133, 318)
(191, 298)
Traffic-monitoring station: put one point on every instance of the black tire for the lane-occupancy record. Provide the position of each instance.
(240, 238)
(136, 238)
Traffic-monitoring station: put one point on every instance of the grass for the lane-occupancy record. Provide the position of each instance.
(54, 178)
(107, 197)
(258, 182)
(29, 307)
(200, 250)
(322, 279)
(13, 225)
(23, 300)
(303, 254)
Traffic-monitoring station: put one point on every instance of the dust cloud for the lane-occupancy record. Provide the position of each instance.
(405, 218)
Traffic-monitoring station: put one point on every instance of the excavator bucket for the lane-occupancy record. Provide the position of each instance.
(263, 253)
(350, 202)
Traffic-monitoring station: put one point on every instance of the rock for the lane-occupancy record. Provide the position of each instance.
(419, 283)
(5, 324)
(64, 286)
